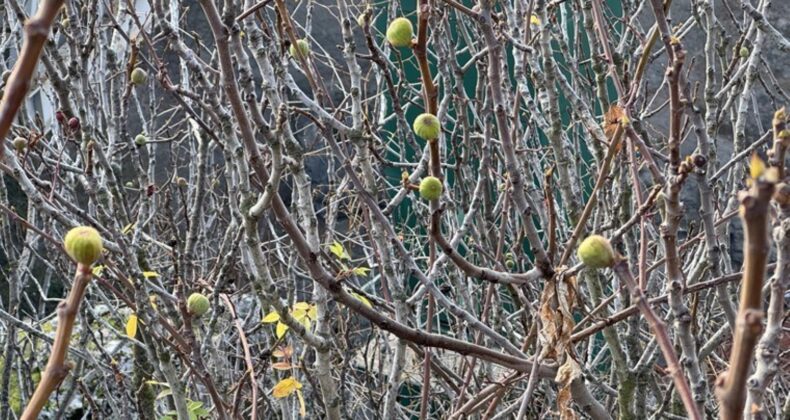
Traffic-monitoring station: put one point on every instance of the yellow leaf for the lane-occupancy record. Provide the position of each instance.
(271, 317)
(301, 305)
(97, 271)
(534, 19)
(299, 314)
(281, 330)
(150, 274)
(286, 387)
(131, 326)
(128, 228)
(361, 271)
(624, 121)
(304, 312)
(362, 299)
(756, 166)
(302, 410)
(152, 300)
(340, 252)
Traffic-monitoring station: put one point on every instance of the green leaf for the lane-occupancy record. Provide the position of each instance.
(164, 393)
(164, 384)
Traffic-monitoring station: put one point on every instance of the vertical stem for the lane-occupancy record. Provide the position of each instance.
(731, 385)
(660, 330)
(57, 369)
(36, 33)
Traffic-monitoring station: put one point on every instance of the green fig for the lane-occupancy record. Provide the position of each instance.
(596, 252)
(430, 188)
(139, 76)
(301, 49)
(427, 126)
(400, 32)
(198, 304)
(83, 244)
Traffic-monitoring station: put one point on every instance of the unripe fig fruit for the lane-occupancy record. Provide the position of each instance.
(20, 143)
(300, 49)
(181, 181)
(744, 52)
(430, 188)
(74, 123)
(138, 76)
(510, 264)
(596, 252)
(83, 244)
(6, 75)
(400, 32)
(427, 126)
(198, 304)
(140, 139)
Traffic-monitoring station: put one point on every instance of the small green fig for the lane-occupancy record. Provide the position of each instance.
(744, 52)
(129, 184)
(427, 126)
(83, 244)
(198, 304)
(400, 32)
(430, 188)
(140, 140)
(596, 252)
(181, 181)
(301, 49)
(6, 75)
(139, 76)
(20, 143)
(510, 264)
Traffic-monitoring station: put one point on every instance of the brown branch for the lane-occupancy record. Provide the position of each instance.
(57, 369)
(614, 148)
(317, 272)
(731, 385)
(36, 32)
(430, 95)
(662, 337)
(631, 310)
(776, 156)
